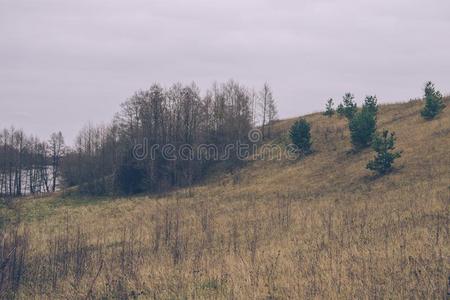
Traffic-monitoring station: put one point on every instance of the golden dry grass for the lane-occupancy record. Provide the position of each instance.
(319, 227)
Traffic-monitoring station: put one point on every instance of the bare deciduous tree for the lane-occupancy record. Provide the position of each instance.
(267, 109)
(56, 144)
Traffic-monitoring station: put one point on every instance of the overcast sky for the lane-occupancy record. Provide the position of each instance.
(65, 63)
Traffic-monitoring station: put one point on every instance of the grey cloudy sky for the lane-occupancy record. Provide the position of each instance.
(65, 63)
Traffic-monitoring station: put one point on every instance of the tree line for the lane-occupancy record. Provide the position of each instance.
(104, 158)
(27, 164)
(120, 157)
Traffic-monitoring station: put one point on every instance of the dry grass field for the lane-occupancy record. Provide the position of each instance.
(320, 227)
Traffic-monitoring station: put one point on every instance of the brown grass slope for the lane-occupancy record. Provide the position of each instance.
(319, 227)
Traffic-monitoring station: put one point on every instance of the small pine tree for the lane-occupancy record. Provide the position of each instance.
(340, 110)
(348, 108)
(384, 145)
(362, 128)
(301, 136)
(433, 102)
(371, 104)
(364, 123)
(329, 108)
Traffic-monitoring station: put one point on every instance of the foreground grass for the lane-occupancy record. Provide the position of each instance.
(319, 227)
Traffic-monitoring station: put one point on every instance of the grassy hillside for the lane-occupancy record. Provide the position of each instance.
(319, 227)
